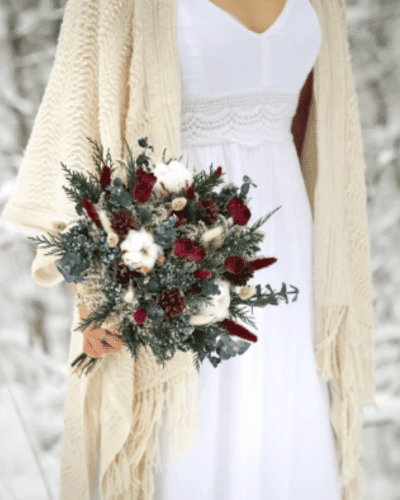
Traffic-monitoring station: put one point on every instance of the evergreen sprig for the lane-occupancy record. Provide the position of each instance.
(82, 186)
(131, 177)
(57, 244)
(262, 220)
(204, 183)
(99, 160)
(96, 317)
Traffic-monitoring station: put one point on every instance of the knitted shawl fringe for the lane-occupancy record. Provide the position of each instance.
(345, 359)
(130, 474)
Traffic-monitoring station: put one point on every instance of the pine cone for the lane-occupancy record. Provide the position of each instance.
(172, 302)
(242, 278)
(123, 220)
(124, 274)
(207, 211)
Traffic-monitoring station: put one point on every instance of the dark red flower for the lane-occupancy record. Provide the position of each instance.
(140, 171)
(140, 316)
(234, 264)
(183, 247)
(218, 172)
(91, 211)
(190, 193)
(261, 263)
(142, 192)
(105, 177)
(180, 221)
(234, 203)
(238, 330)
(241, 215)
(148, 179)
(201, 274)
(198, 254)
(242, 278)
(194, 289)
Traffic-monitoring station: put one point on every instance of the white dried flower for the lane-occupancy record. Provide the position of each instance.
(200, 319)
(139, 249)
(178, 204)
(211, 234)
(218, 241)
(246, 292)
(128, 297)
(112, 239)
(219, 306)
(105, 221)
(174, 176)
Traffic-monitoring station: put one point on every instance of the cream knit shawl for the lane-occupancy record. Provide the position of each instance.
(116, 74)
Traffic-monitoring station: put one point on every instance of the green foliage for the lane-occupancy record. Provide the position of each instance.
(204, 183)
(82, 186)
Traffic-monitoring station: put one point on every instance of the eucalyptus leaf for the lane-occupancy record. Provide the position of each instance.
(144, 215)
(125, 199)
(118, 182)
(71, 266)
(209, 287)
(79, 208)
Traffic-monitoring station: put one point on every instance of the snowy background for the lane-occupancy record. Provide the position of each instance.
(35, 321)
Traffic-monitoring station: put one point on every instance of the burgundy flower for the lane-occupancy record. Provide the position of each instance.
(218, 172)
(198, 254)
(142, 192)
(242, 215)
(91, 211)
(183, 247)
(194, 289)
(238, 330)
(148, 179)
(190, 193)
(234, 264)
(180, 221)
(261, 263)
(105, 177)
(234, 203)
(201, 274)
(242, 278)
(140, 316)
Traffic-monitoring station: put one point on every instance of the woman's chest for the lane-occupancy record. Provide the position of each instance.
(256, 15)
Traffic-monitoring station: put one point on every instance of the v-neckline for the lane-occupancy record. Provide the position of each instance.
(239, 23)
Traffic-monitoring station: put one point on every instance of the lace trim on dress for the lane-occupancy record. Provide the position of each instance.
(248, 118)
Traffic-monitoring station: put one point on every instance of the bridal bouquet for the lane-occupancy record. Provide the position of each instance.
(159, 257)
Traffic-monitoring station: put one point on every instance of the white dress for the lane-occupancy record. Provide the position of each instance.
(263, 418)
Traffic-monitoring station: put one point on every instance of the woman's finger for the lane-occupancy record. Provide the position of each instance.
(114, 341)
(88, 349)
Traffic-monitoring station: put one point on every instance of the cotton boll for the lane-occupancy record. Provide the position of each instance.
(219, 307)
(139, 249)
(174, 176)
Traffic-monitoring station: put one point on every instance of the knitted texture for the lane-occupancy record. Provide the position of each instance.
(116, 74)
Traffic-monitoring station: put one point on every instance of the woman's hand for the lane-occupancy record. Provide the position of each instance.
(94, 344)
